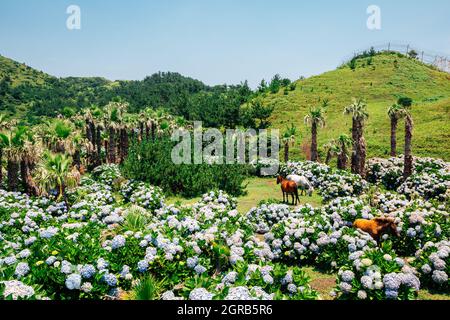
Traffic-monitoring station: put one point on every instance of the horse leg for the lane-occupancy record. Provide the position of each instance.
(296, 197)
(292, 195)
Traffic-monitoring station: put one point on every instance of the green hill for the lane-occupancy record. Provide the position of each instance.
(29, 94)
(380, 80)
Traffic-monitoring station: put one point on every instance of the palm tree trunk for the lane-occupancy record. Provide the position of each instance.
(105, 145)
(355, 138)
(147, 131)
(24, 175)
(77, 159)
(329, 156)
(153, 130)
(125, 144)
(362, 156)
(89, 132)
(98, 144)
(408, 165)
(112, 146)
(342, 160)
(286, 152)
(361, 149)
(141, 131)
(394, 122)
(13, 168)
(314, 155)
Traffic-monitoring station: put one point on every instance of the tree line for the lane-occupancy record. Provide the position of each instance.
(217, 106)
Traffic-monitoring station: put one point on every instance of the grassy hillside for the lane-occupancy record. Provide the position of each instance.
(380, 80)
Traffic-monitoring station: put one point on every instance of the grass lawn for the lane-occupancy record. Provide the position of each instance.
(258, 189)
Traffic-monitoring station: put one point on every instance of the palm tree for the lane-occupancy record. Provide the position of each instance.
(55, 173)
(30, 154)
(59, 132)
(344, 143)
(331, 150)
(12, 143)
(315, 118)
(406, 103)
(358, 111)
(3, 125)
(113, 120)
(288, 139)
(91, 134)
(395, 112)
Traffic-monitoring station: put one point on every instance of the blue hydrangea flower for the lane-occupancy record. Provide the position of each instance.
(10, 260)
(50, 260)
(345, 287)
(102, 264)
(230, 278)
(392, 281)
(439, 264)
(292, 288)
(192, 262)
(110, 279)
(125, 271)
(66, 267)
(118, 242)
(362, 295)
(87, 271)
(199, 269)
(426, 268)
(267, 278)
(22, 269)
(367, 282)
(347, 276)
(73, 281)
(24, 253)
(200, 294)
(142, 266)
(439, 277)
(391, 294)
(410, 281)
(86, 287)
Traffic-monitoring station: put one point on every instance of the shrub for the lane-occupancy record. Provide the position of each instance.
(151, 161)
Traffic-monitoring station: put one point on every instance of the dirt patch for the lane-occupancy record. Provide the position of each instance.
(324, 286)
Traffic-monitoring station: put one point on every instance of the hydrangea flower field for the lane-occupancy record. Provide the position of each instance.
(113, 233)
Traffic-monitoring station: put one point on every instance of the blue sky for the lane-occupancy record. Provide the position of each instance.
(214, 41)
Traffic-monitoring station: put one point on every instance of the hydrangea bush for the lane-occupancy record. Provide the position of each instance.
(377, 274)
(433, 264)
(330, 184)
(113, 232)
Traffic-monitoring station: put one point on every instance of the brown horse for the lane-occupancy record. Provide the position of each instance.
(288, 187)
(377, 227)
